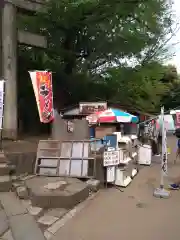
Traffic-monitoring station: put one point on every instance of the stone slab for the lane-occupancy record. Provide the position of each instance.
(11, 204)
(3, 158)
(26, 203)
(66, 196)
(48, 235)
(5, 183)
(3, 222)
(93, 184)
(24, 161)
(47, 220)
(22, 192)
(57, 212)
(27, 177)
(35, 211)
(8, 235)
(27, 229)
(58, 224)
(4, 169)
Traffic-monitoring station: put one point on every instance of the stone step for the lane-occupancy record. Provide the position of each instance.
(5, 183)
(4, 169)
(3, 158)
(50, 217)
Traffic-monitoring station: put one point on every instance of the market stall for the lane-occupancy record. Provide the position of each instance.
(120, 150)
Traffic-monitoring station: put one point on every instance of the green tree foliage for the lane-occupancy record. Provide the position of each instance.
(172, 79)
(90, 46)
(141, 86)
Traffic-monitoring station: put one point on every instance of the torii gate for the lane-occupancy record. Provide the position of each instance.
(8, 53)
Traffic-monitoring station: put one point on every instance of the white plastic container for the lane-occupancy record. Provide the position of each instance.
(144, 155)
(121, 179)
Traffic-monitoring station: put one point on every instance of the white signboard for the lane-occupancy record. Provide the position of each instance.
(111, 158)
(110, 174)
(2, 84)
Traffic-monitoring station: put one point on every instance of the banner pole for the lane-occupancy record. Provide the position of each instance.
(2, 122)
(163, 157)
(161, 192)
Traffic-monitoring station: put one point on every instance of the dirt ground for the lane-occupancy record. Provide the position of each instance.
(132, 214)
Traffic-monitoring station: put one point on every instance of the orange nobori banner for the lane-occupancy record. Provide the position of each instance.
(42, 85)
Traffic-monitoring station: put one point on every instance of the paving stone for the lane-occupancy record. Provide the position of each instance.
(47, 220)
(22, 192)
(5, 183)
(55, 227)
(16, 184)
(24, 227)
(27, 177)
(48, 235)
(12, 205)
(35, 211)
(8, 235)
(58, 224)
(26, 203)
(14, 178)
(93, 184)
(57, 212)
(3, 222)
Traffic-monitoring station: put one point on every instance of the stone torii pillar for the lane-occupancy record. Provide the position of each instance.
(9, 72)
(10, 38)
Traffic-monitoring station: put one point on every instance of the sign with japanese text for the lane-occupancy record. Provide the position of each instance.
(164, 146)
(42, 85)
(87, 108)
(111, 158)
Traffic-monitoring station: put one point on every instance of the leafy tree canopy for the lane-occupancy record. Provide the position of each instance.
(103, 49)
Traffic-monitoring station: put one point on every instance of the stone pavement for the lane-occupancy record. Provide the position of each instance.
(132, 214)
(21, 220)
(112, 213)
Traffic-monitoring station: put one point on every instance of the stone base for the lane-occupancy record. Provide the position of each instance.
(3, 158)
(24, 162)
(4, 169)
(10, 134)
(5, 184)
(56, 192)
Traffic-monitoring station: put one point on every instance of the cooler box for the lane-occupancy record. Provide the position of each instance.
(144, 155)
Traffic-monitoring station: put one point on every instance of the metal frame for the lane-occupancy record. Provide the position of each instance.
(58, 157)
